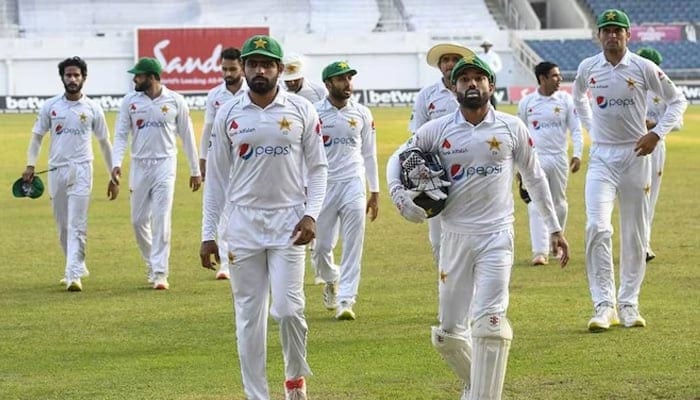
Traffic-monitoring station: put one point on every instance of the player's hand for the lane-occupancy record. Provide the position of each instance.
(116, 174)
(560, 246)
(575, 164)
(203, 168)
(112, 190)
(646, 144)
(304, 231)
(207, 249)
(195, 183)
(403, 200)
(28, 174)
(373, 206)
(428, 181)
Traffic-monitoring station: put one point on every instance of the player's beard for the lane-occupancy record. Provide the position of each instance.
(340, 94)
(230, 80)
(261, 85)
(472, 103)
(143, 86)
(73, 88)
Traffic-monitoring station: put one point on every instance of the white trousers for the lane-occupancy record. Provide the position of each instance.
(152, 184)
(69, 189)
(474, 273)
(658, 159)
(556, 169)
(264, 264)
(435, 237)
(343, 208)
(616, 172)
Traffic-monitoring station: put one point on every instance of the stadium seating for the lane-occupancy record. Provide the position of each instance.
(443, 15)
(646, 11)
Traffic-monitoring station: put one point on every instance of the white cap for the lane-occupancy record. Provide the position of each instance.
(292, 67)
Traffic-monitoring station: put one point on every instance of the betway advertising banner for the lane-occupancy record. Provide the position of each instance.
(190, 56)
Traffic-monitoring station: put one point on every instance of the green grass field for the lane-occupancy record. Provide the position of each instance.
(118, 339)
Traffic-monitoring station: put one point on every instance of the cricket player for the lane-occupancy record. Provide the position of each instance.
(255, 196)
(294, 81)
(480, 148)
(433, 102)
(232, 86)
(619, 166)
(548, 113)
(351, 148)
(655, 110)
(494, 61)
(70, 119)
(154, 115)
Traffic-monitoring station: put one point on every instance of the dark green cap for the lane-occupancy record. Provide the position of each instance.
(33, 189)
(263, 45)
(146, 65)
(613, 17)
(650, 53)
(472, 62)
(337, 68)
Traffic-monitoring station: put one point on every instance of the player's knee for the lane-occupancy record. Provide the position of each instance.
(492, 326)
(598, 228)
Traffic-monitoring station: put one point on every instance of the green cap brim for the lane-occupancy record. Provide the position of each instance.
(350, 71)
(261, 52)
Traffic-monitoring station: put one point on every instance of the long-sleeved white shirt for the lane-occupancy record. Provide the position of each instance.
(350, 142)
(479, 161)
(154, 124)
(619, 98)
(656, 108)
(310, 90)
(70, 124)
(256, 158)
(548, 118)
(216, 97)
(432, 102)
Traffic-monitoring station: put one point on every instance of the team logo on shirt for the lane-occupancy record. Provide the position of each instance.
(656, 100)
(132, 107)
(285, 125)
(557, 110)
(494, 144)
(352, 122)
(446, 144)
(164, 109)
(83, 117)
(246, 151)
(630, 83)
(431, 106)
(603, 102)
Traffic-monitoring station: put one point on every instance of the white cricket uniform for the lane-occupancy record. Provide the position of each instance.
(216, 97)
(548, 118)
(255, 196)
(350, 143)
(154, 125)
(476, 254)
(656, 108)
(615, 124)
(311, 91)
(70, 124)
(432, 102)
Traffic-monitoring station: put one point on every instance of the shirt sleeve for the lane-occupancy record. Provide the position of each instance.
(676, 103)
(581, 104)
(186, 132)
(423, 139)
(316, 163)
(121, 134)
(522, 109)
(204, 141)
(101, 132)
(218, 167)
(369, 151)
(419, 114)
(41, 126)
(574, 127)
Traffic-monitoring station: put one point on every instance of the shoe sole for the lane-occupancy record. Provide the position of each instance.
(346, 316)
(222, 277)
(637, 324)
(74, 288)
(161, 287)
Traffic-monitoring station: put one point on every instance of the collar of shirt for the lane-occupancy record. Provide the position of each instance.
(458, 118)
(280, 99)
(326, 104)
(624, 61)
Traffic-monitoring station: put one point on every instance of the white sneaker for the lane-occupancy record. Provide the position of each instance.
(540, 259)
(223, 273)
(74, 286)
(150, 275)
(329, 293)
(85, 274)
(295, 389)
(630, 317)
(605, 317)
(345, 312)
(160, 281)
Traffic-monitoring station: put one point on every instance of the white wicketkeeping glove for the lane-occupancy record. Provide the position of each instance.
(428, 181)
(403, 200)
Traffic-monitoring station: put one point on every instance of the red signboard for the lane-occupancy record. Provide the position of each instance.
(190, 56)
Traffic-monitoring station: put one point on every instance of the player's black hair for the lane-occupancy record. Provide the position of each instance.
(543, 68)
(231, 53)
(72, 62)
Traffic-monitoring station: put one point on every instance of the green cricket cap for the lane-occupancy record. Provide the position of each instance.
(472, 62)
(337, 68)
(147, 65)
(33, 189)
(650, 53)
(613, 17)
(263, 45)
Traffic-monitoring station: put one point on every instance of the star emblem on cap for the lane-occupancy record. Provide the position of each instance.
(468, 59)
(285, 125)
(630, 83)
(611, 16)
(352, 122)
(164, 109)
(83, 117)
(494, 144)
(260, 43)
(291, 68)
(343, 65)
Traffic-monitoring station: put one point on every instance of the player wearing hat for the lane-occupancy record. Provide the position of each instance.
(480, 147)
(255, 197)
(494, 62)
(618, 166)
(350, 143)
(294, 81)
(70, 118)
(155, 116)
(433, 102)
(548, 113)
(655, 110)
